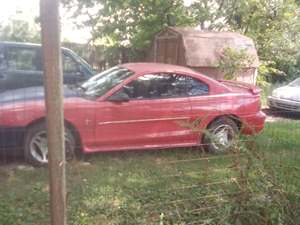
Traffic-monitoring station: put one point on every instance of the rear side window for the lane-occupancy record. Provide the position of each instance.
(195, 87)
(26, 59)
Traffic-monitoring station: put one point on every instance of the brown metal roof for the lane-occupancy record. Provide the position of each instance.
(202, 49)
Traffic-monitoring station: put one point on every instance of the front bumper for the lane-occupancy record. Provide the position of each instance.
(283, 104)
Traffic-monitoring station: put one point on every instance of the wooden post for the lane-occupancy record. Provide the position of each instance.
(49, 11)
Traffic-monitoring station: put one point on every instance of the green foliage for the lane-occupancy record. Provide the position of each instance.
(291, 68)
(20, 31)
(268, 73)
(128, 24)
(274, 25)
(232, 62)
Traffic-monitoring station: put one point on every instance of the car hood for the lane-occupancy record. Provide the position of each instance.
(287, 92)
(30, 94)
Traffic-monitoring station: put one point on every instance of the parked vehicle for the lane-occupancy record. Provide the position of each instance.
(21, 66)
(136, 106)
(286, 98)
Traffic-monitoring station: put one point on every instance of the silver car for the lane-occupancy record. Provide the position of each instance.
(286, 98)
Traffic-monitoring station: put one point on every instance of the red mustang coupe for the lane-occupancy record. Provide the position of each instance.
(135, 106)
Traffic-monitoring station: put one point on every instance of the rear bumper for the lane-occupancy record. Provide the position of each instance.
(253, 124)
(283, 104)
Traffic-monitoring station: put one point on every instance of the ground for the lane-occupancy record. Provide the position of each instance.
(178, 186)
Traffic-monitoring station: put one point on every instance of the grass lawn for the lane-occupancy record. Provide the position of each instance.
(179, 186)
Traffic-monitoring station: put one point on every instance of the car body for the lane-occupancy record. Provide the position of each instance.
(286, 98)
(165, 106)
(21, 66)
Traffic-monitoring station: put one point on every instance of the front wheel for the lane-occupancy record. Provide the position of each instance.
(220, 135)
(36, 147)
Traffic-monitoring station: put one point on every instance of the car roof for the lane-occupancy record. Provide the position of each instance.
(156, 67)
(23, 44)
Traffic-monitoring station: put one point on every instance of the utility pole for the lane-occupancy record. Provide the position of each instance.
(53, 82)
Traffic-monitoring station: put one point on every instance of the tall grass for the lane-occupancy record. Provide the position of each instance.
(178, 186)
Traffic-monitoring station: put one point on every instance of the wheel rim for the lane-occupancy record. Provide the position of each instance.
(222, 137)
(39, 147)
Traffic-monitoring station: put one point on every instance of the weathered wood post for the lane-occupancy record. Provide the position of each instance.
(50, 23)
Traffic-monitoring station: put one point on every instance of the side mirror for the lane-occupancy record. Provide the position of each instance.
(119, 97)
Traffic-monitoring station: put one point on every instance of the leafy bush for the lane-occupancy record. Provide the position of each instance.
(232, 62)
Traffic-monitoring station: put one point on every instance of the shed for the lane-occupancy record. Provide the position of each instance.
(201, 50)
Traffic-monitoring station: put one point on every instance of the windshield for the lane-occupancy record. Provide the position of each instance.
(86, 65)
(295, 83)
(101, 83)
(78, 59)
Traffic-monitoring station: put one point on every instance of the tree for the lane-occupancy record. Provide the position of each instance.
(20, 31)
(129, 24)
(274, 25)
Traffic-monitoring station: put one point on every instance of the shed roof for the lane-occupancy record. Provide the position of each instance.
(202, 48)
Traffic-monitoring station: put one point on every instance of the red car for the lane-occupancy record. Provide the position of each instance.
(135, 106)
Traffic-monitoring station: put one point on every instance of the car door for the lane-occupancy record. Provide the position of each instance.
(155, 115)
(23, 67)
(203, 106)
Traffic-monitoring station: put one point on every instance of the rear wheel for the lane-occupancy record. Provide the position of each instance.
(220, 135)
(36, 147)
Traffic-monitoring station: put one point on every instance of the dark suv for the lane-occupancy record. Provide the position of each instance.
(21, 66)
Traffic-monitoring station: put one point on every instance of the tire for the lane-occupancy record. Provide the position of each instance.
(35, 145)
(220, 135)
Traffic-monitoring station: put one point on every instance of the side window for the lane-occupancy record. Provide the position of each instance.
(23, 59)
(154, 86)
(196, 87)
(2, 59)
(69, 64)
